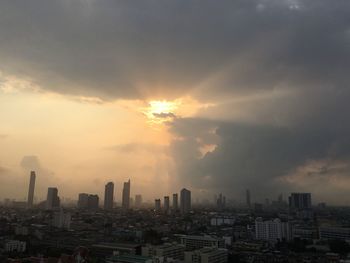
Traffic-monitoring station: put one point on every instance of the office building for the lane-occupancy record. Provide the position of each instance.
(248, 201)
(166, 203)
(83, 200)
(109, 196)
(167, 251)
(300, 201)
(197, 242)
(31, 189)
(157, 205)
(334, 233)
(52, 200)
(185, 201)
(126, 195)
(138, 201)
(175, 202)
(207, 255)
(93, 202)
(61, 219)
(272, 230)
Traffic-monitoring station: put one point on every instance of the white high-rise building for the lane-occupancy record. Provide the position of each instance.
(185, 201)
(272, 230)
(61, 219)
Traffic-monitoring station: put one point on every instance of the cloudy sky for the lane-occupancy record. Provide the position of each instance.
(216, 96)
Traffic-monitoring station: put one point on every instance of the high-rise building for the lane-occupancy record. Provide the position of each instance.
(272, 230)
(138, 201)
(300, 201)
(52, 200)
(175, 202)
(126, 195)
(221, 202)
(166, 203)
(31, 189)
(185, 201)
(109, 196)
(157, 205)
(93, 202)
(61, 219)
(248, 201)
(83, 200)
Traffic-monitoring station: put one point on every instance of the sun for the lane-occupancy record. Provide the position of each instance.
(159, 111)
(162, 106)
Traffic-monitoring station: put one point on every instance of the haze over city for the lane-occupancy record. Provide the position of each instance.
(213, 97)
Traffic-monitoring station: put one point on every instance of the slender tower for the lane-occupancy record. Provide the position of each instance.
(31, 189)
(126, 195)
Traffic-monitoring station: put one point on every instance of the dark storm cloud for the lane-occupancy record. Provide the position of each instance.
(130, 49)
(257, 156)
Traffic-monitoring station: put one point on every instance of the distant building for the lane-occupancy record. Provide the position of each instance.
(15, 246)
(248, 201)
(109, 196)
(207, 255)
(157, 205)
(83, 200)
(166, 203)
(175, 202)
(61, 219)
(221, 202)
(272, 230)
(93, 202)
(52, 200)
(126, 195)
(185, 201)
(138, 201)
(31, 189)
(300, 201)
(168, 251)
(332, 232)
(198, 242)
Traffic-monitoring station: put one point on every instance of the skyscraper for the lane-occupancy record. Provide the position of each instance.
(52, 200)
(83, 200)
(126, 195)
(185, 201)
(175, 202)
(157, 205)
(300, 201)
(31, 189)
(109, 196)
(138, 201)
(166, 203)
(93, 202)
(248, 198)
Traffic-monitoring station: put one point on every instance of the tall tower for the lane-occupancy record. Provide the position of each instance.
(52, 200)
(166, 203)
(31, 189)
(175, 202)
(109, 196)
(248, 198)
(185, 201)
(126, 195)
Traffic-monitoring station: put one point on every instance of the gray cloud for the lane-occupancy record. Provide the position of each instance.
(164, 115)
(116, 49)
(259, 157)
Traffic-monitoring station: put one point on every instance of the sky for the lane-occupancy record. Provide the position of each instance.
(214, 96)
